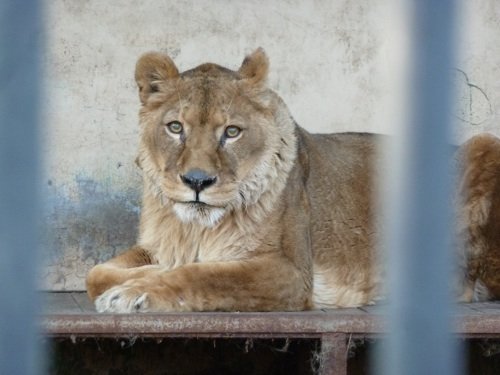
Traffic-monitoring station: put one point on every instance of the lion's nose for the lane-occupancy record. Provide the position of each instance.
(198, 180)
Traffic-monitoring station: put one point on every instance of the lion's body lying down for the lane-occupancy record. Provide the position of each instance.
(242, 209)
(478, 218)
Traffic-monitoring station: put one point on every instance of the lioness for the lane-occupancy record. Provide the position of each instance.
(478, 218)
(243, 210)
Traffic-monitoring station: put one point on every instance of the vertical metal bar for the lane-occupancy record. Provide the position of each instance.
(419, 217)
(19, 85)
(333, 357)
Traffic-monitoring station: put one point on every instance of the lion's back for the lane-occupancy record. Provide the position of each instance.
(479, 211)
(341, 191)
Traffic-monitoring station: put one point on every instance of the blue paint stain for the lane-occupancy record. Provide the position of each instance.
(93, 218)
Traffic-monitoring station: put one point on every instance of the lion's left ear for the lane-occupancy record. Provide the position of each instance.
(151, 69)
(255, 67)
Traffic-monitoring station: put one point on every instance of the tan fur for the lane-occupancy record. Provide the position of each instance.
(478, 218)
(288, 224)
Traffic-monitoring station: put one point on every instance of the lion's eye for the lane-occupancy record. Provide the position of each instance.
(232, 131)
(175, 127)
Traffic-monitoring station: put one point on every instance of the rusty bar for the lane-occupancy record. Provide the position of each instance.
(301, 324)
(333, 357)
(485, 324)
(65, 317)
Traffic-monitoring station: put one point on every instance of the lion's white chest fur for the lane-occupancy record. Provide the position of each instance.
(174, 243)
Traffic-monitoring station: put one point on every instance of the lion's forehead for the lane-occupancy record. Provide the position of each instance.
(208, 90)
(207, 99)
(198, 115)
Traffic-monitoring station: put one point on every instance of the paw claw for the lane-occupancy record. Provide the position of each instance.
(122, 299)
(141, 302)
(114, 299)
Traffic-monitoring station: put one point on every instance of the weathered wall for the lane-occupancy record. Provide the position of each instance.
(478, 69)
(336, 63)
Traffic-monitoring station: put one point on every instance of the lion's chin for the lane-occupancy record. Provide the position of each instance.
(196, 212)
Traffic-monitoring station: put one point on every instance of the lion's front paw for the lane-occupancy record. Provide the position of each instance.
(123, 299)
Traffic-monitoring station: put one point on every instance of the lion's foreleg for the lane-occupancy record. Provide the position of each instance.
(133, 263)
(264, 284)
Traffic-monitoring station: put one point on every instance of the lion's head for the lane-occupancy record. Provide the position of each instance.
(213, 140)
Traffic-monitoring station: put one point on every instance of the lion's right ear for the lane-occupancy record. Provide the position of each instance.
(151, 69)
(255, 67)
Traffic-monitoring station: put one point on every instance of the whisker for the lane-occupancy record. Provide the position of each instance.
(178, 96)
(231, 102)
